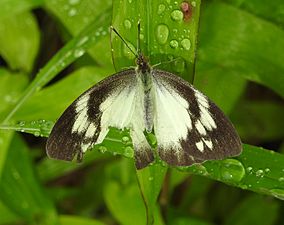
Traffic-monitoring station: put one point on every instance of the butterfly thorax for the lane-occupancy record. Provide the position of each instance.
(144, 75)
(143, 64)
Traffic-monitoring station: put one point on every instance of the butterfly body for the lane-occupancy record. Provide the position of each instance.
(189, 128)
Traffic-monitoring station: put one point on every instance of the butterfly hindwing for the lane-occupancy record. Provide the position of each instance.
(188, 126)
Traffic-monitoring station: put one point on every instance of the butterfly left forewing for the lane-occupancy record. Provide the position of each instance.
(188, 126)
(80, 127)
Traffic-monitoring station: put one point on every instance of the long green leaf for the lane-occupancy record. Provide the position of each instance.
(68, 54)
(19, 188)
(233, 39)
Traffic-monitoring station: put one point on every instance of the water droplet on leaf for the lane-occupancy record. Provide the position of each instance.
(177, 15)
(259, 173)
(161, 9)
(102, 149)
(232, 170)
(162, 33)
(174, 43)
(129, 152)
(78, 53)
(186, 44)
(127, 24)
(72, 12)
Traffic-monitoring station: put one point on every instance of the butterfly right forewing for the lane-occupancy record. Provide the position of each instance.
(189, 127)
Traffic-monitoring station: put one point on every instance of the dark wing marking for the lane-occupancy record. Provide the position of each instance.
(208, 133)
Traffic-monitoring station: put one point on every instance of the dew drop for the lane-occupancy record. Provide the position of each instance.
(267, 170)
(8, 98)
(179, 65)
(151, 178)
(127, 24)
(37, 133)
(129, 152)
(16, 175)
(193, 3)
(162, 33)
(259, 173)
(161, 9)
(186, 44)
(102, 149)
(249, 169)
(232, 170)
(202, 170)
(72, 12)
(281, 179)
(177, 15)
(22, 123)
(174, 43)
(83, 40)
(78, 53)
(125, 139)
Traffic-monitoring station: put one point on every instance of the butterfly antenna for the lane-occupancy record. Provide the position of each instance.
(138, 37)
(126, 44)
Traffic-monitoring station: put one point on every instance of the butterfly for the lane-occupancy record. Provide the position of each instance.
(189, 128)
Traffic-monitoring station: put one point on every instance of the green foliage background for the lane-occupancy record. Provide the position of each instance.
(51, 51)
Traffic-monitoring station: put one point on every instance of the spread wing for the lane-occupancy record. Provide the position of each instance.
(188, 126)
(114, 102)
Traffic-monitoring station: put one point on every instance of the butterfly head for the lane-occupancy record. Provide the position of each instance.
(142, 63)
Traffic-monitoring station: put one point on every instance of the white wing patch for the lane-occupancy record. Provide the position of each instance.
(123, 109)
(205, 116)
(81, 123)
(200, 146)
(172, 121)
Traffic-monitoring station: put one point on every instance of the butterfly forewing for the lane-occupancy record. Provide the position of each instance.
(188, 126)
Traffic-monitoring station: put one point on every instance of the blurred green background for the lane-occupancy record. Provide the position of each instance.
(51, 51)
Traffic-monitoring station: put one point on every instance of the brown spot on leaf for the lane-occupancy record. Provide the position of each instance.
(186, 9)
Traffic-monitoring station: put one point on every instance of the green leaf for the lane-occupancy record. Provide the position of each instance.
(125, 203)
(43, 103)
(76, 15)
(263, 10)
(150, 181)
(253, 116)
(49, 169)
(255, 169)
(233, 39)
(7, 217)
(19, 189)
(13, 7)
(121, 189)
(9, 94)
(19, 41)
(166, 36)
(254, 210)
(68, 54)
(74, 220)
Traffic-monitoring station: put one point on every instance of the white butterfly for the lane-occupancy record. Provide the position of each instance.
(189, 128)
